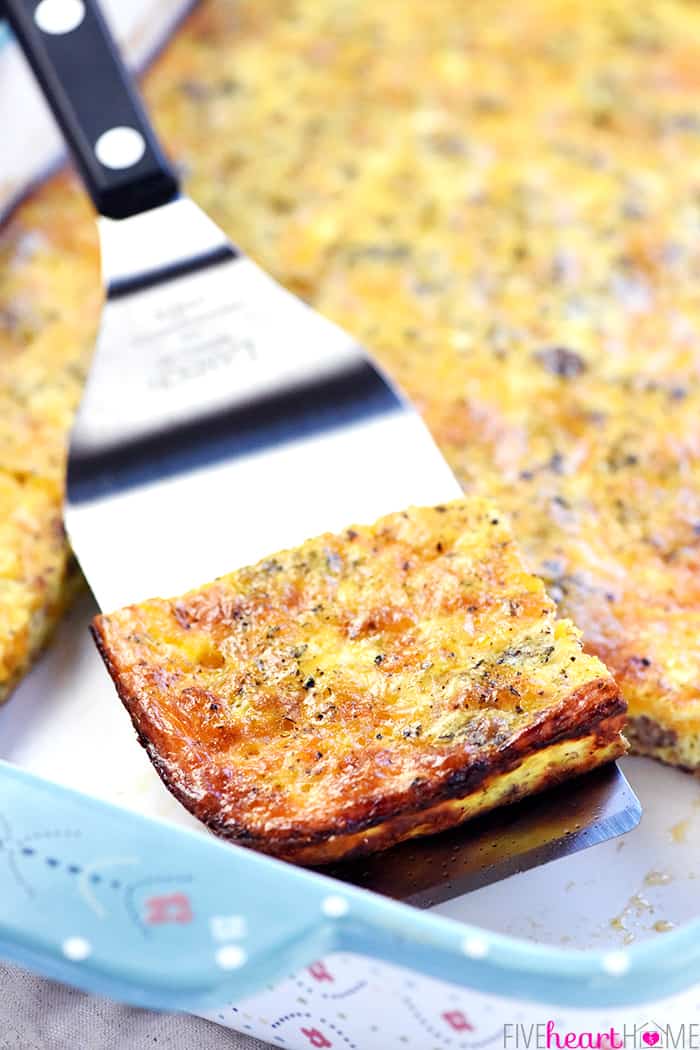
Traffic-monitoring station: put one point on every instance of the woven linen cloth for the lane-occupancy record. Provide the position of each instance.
(42, 1015)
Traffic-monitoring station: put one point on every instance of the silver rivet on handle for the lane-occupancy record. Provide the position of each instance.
(59, 16)
(120, 147)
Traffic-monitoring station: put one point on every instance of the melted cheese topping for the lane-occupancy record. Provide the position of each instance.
(34, 572)
(336, 678)
(502, 202)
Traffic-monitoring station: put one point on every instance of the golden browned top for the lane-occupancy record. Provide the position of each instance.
(350, 677)
(32, 566)
(502, 201)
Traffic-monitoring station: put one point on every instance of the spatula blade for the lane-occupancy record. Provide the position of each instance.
(224, 419)
(565, 819)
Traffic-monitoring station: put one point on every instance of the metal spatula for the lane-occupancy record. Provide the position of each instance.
(225, 418)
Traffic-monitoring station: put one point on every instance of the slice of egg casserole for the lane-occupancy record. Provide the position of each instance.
(364, 688)
(502, 204)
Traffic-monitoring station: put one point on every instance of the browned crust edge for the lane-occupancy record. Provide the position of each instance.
(488, 796)
(595, 710)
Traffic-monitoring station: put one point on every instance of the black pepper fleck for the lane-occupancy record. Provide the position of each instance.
(561, 361)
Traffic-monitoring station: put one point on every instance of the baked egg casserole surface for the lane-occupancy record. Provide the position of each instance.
(364, 687)
(503, 203)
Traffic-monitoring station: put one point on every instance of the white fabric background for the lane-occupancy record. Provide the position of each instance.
(42, 1015)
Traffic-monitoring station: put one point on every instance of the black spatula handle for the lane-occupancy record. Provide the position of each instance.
(75, 59)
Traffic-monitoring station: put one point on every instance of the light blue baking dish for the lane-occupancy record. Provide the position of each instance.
(142, 911)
